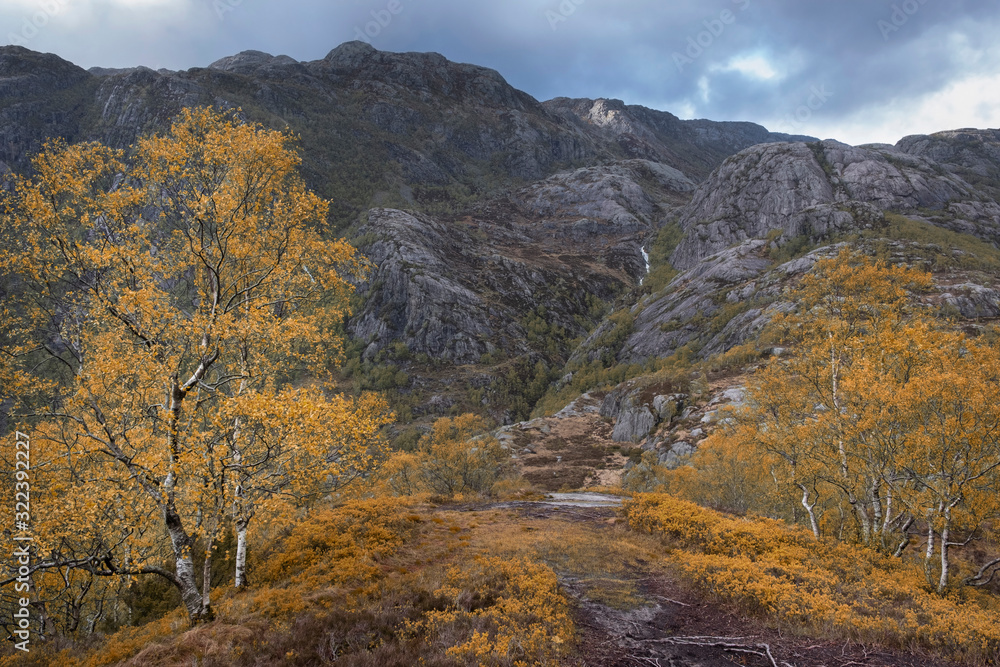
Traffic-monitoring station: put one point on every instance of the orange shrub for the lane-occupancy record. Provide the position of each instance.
(502, 612)
(780, 571)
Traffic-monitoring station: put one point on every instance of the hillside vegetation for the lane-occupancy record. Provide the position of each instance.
(315, 376)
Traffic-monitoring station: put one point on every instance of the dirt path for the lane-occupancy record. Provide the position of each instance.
(630, 609)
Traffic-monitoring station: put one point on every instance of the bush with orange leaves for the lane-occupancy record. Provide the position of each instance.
(454, 458)
(501, 612)
(783, 572)
(333, 547)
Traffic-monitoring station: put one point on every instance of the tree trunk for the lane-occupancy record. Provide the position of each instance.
(859, 508)
(240, 514)
(945, 534)
(809, 509)
(929, 553)
(184, 565)
(861, 516)
(206, 581)
(905, 542)
(241, 552)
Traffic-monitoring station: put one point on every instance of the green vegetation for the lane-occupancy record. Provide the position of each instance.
(943, 248)
(820, 153)
(660, 270)
(793, 248)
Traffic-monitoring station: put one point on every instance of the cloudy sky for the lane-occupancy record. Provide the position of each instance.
(856, 70)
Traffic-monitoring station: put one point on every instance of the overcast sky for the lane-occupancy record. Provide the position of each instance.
(856, 70)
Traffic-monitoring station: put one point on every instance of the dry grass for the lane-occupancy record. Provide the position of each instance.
(602, 563)
(370, 583)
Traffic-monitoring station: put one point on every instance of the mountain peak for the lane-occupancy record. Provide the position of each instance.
(17, 61)
(350, 53)
(246, 62)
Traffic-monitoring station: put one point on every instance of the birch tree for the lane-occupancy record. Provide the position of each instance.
(181, 299)
(880, 414)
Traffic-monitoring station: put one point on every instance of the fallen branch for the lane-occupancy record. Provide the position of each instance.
(978, 580)
(677, 602)
(725, 643)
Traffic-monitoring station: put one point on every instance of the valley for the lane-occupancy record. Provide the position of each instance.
(590, 291)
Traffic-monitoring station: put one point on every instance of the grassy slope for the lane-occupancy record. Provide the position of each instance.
(396, 582)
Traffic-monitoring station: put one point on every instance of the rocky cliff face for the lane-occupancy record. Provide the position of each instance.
(776, 201)
(459, 289)
(694, 146)
(972, 154)
(823, 189)
(412, 130)
(502, 228)
(41, 96)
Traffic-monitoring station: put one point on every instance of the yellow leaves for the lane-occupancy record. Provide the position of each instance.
(853, 288)
(178, 292)
(880, 414)
(671, 516)
(337, 546)
(508, 611)
(782, 573)
(451, 459)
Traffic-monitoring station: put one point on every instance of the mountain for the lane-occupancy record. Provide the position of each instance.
(595, 278)
(480, 205)
(511, 238)
(411, 129)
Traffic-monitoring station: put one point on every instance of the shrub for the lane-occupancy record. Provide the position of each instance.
(450, 460)
(770, 568)
(500, 611)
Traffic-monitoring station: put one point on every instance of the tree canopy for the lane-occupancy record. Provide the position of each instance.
(881, 418)
(170, 316)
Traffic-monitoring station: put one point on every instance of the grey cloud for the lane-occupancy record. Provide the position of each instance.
(628, 49)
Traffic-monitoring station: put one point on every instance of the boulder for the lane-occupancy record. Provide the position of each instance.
(634, 424)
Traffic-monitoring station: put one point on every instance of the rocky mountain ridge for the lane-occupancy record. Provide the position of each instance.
(821, 189)
(504, 230)
(377, 127)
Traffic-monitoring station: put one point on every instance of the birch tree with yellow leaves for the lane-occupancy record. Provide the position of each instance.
(170, 313)
(881, 418)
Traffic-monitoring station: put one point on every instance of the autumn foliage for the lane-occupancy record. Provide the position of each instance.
(368, 583)
(166, 308)
(456, 457)
(879, 425)
(822, 587)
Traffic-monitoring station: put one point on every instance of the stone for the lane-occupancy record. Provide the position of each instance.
(667, 406)
(633, 424)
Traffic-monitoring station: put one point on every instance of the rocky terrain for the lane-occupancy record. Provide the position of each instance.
(511, 238)
(822, 189)
(457, 289)
(478, 204)
(592, 276)
(374, 125)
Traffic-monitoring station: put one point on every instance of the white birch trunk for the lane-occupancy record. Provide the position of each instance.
(241, 553)
(809, 509)
(945, 534)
